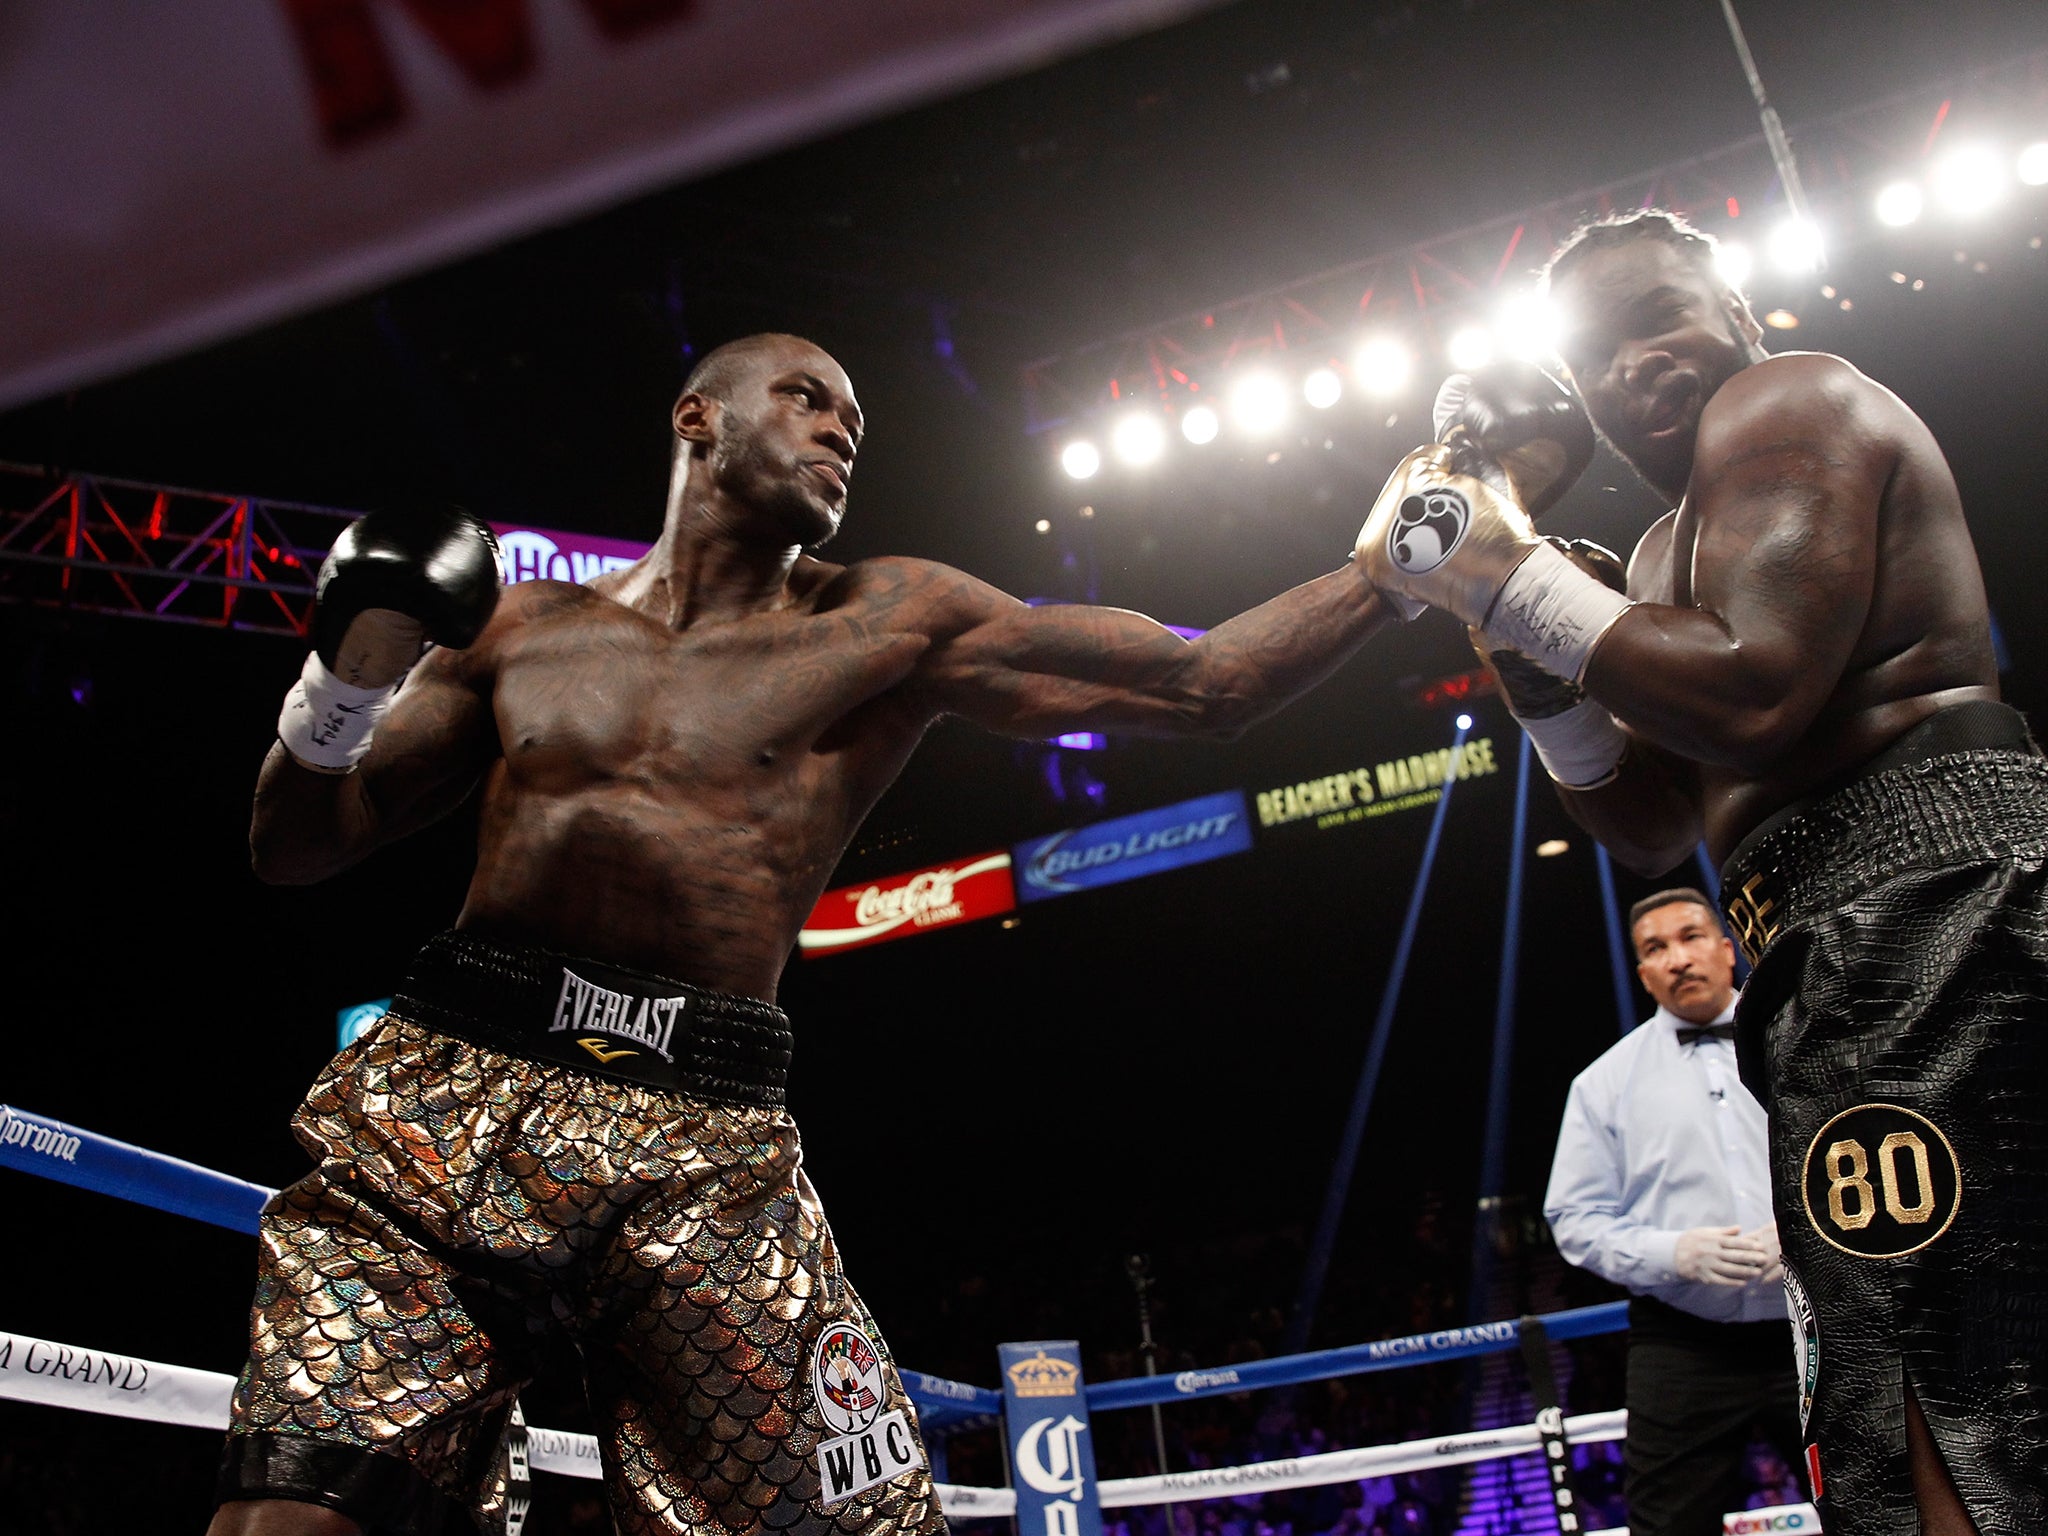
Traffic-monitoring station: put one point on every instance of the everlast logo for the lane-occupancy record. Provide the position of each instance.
(651, 1021)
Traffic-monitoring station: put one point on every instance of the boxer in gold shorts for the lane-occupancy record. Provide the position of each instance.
(469, 1195)
(572, 1119)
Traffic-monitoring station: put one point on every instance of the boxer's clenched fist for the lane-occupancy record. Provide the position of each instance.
(1437, 538)
(392, 582)
(1440, 539)
(1518, 429)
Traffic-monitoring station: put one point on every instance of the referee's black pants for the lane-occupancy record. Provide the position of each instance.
(1697, 1393)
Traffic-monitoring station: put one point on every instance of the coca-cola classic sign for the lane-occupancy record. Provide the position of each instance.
(900, 905)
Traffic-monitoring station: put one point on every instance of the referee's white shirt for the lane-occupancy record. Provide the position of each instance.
(1658, 1138)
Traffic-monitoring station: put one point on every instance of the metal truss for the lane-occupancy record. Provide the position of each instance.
(88, 544)
(1430, 287)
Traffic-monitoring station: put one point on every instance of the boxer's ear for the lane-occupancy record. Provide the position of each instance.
(1743, 318)
(695, 418)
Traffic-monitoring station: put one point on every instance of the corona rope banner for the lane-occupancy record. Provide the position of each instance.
(1052, 1460)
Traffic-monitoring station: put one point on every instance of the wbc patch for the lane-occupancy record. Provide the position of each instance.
(865, 1445)
(1881, 1181)
(1805, 1343)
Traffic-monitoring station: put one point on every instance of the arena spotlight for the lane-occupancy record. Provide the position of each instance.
(1899, 204)
(1081, 459)
(1138, 439)
(1471, 347)
(1382, 366)
(1464, 722)
(1528, 326)
(1322, 388)
(1043, 525)
(2033, 164)
(1795, 245)
(1198, 424)
(1733, 262)
(1969, 180)
(1258, 403)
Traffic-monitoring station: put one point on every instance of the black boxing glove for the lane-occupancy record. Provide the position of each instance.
(1513, 426)
(1577, 739)
(394, 580)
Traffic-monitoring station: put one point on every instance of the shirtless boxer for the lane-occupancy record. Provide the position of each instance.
(573, 1115)
(1801, 672)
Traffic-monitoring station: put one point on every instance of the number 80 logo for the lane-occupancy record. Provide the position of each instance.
(1881, 1182)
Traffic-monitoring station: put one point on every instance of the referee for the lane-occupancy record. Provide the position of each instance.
(1661, 1184)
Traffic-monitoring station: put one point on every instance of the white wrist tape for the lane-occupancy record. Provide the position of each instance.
(326, 723)
(1553, 613)
(1580, 748)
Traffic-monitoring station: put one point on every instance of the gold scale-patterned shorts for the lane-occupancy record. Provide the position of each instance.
(469, 1198)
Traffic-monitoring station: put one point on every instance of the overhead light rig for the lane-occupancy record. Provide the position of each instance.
(1384, 326)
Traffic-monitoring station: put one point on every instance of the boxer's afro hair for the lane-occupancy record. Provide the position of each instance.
(1695, 245)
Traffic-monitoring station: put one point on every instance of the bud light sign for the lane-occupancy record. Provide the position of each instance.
(1189, 833)
(545, 554)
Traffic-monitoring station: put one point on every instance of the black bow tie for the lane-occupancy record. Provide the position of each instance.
(1692, 1034)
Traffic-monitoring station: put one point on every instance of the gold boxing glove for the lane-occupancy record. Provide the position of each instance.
(1439, 539)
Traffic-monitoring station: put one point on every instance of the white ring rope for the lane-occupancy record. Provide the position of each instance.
(36, 1370)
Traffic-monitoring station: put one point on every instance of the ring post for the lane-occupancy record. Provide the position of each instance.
(1557, 1461)
(1045, 1414)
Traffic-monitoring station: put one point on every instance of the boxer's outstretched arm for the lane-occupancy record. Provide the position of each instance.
(1035, 671)
(1789, 473)
(422, 763)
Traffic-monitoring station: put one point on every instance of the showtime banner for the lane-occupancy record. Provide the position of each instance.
(1192, 832)
(942, 896)
(548, 554)
(178, 172)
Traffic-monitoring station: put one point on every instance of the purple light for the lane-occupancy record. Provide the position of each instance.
(1082, 741)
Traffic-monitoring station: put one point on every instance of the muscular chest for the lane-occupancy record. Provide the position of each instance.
(699, 708)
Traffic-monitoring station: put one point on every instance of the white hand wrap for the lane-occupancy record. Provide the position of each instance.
(1553, 613)
(1580, 748)
(326, 723)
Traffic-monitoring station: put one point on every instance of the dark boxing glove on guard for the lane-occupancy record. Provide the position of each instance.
(1513, 426)
(393, 581)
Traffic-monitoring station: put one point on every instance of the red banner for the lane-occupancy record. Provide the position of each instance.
(901, 905)
(178, 172)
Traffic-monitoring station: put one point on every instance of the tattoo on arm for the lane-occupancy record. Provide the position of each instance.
(1035, 671)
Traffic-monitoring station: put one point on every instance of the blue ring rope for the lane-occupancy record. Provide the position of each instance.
(52, 1149)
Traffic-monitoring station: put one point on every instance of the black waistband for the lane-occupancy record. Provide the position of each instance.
(606, 1020)
(1965, 783)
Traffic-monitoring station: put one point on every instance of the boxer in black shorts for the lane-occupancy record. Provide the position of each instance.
(573, 1117)
(1800, 671)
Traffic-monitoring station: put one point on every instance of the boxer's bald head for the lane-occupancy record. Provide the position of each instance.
(771, 424)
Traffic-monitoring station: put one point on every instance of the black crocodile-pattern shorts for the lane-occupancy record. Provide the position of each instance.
(1898, 1018)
